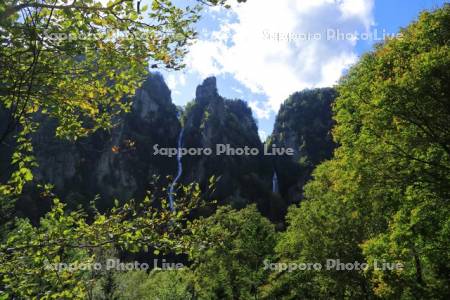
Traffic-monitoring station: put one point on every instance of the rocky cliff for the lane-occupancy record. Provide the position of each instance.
(304, 123)
(211, 120)
(117, 164)
(120, 164)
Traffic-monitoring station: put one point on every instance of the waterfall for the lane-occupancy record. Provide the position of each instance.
(275, 182)
(180, 167)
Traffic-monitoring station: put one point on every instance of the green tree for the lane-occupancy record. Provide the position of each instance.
(405, 136)
(158, 284)
(49, 261)
(384, 196)
(228, 252)
(329, 224)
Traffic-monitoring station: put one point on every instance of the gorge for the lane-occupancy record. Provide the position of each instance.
(122, 164)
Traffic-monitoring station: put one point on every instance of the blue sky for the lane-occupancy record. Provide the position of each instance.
(264, 50)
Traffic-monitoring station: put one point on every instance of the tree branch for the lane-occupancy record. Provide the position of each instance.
(13, 9)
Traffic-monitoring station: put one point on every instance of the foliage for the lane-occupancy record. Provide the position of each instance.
(30, 255)
(329, 224)
(385, 194)
(228, 252)
(158, 284)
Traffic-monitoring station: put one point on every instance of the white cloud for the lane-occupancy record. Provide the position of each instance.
(262, 135)
(261, 109)
(175, 80)
(358, 9)
(241, 46)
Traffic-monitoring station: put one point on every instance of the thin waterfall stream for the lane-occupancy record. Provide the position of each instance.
(180, 169)
(275, 182)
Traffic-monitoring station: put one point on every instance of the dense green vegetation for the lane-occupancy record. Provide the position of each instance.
(384, 195)
(237, 242)
(382, 198)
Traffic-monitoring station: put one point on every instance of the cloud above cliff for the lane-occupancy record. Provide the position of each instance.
(275, 48)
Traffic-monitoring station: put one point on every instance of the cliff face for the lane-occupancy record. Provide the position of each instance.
(211, 120)
(116, 164)
(120, 164)
(127, 168)
(304, 123)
